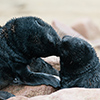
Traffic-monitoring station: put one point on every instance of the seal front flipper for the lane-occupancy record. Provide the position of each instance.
(34, 79)
(5, 95)
(39, 65)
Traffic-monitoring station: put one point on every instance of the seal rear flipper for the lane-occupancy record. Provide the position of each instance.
(35, 79)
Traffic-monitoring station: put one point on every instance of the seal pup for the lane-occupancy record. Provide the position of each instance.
(79, 63)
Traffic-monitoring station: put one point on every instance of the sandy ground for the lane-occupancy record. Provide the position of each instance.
(66, 11)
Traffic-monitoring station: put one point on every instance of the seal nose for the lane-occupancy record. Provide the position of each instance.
(39, 22)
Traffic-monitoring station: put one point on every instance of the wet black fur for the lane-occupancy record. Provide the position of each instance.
(21, 39)
(39, 65)
(79, 64)
(5, 95)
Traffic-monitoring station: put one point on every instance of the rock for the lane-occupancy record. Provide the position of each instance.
(54, 61)
(67, 94)
(18, 98)
(29, 91)
(63, 30)
(87, 28)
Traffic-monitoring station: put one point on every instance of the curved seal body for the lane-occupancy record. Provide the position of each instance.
(79, 64)
(21, 39)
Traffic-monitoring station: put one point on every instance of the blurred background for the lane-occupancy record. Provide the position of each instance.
(66, 11)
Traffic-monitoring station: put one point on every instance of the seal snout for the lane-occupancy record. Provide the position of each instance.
(39, 22)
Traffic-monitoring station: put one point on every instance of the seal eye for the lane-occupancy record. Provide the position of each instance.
(16, 80)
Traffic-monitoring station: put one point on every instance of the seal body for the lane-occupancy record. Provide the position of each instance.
(21, 39)
(79, 64)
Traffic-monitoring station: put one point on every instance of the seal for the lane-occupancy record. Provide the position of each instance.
(21, 39)
(39, 65)
(79, 63)
(5, 95)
